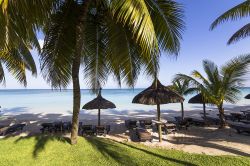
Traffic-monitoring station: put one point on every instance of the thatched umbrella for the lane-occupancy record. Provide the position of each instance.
(247, 96)
(99, 103)
(198, 99)
(158, 94)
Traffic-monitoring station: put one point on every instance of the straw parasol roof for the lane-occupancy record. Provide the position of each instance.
(157, 94)
(198, 99)
(247, 96)
(99, 103)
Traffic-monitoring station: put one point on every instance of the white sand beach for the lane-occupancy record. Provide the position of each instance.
(202, 140)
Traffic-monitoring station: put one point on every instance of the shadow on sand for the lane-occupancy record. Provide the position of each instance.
(116, 118)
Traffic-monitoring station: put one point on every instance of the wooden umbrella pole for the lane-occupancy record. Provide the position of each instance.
(204, 112)
(99, 117)
(159, 119)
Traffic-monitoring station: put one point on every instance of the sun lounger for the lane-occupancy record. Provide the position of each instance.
(99, 130)
(107, 127)
(212, 120)
(237, 116)
(169, 128)
(147, 124)
(245, 121)
(58, 126)
(14, 128)
(197, 122)
(182, 123)
(240, 127)
(87, 129)
(3, 129)
(66, 126)
(131, 124)
(47, 126)
(143, 135)
(247, 116)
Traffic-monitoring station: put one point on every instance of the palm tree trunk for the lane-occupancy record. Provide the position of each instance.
(75, 71)
(159, 119)
(222, 117)
(76, 99)
(182, 111)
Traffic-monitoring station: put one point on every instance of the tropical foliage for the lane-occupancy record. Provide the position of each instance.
(18, 37)
(220, 84)
(183, 88)
(240, 11)
(118, 37)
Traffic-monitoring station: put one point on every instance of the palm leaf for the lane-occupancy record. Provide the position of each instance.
(237, 12)
(240, 34)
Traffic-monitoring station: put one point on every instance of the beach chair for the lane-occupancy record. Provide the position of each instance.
(197, 122)
(3, 129)
(87, 129)
(143, 135)
(47, 126)
(247, 119)
(131, 124)
(182, 123)
(66, 126)
(240, 128)
(237, 116)
(227, 116)
(58, 126)
(107, 128)
(99, 130)
(147, 124)
(211, 120)
(169, 128)
(14, 128)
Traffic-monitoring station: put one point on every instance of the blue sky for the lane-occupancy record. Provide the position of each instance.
(198, 43)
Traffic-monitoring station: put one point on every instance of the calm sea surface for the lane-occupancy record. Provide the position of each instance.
(14, 102)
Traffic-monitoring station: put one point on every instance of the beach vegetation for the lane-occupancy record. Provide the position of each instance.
(239, 11)
(220, 84)
(183, 88)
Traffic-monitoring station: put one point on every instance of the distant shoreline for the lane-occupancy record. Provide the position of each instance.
(91, 89)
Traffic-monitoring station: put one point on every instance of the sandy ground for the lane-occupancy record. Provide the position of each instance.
(202, 140)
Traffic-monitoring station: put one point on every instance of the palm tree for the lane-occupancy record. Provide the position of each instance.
(240, 11)
(183, 88)
(15, 53)
(222, 84)
(118, 37)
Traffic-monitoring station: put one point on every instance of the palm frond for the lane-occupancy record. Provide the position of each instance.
(237, 12)
(168, 22)
(240, 34)
(135, 15)
(59, 44)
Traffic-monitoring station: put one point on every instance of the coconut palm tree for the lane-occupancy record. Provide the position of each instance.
(15, 44)
(118, 37)
(183, 88)
(240, 11)
(222, 84)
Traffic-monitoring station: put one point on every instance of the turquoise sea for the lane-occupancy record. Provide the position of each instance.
(47, 101)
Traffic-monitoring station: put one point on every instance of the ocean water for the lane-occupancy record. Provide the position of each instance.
(46, 101)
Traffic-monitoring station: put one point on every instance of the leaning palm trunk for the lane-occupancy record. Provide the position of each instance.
(182, 111)
(222, 117)
(75, 72)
